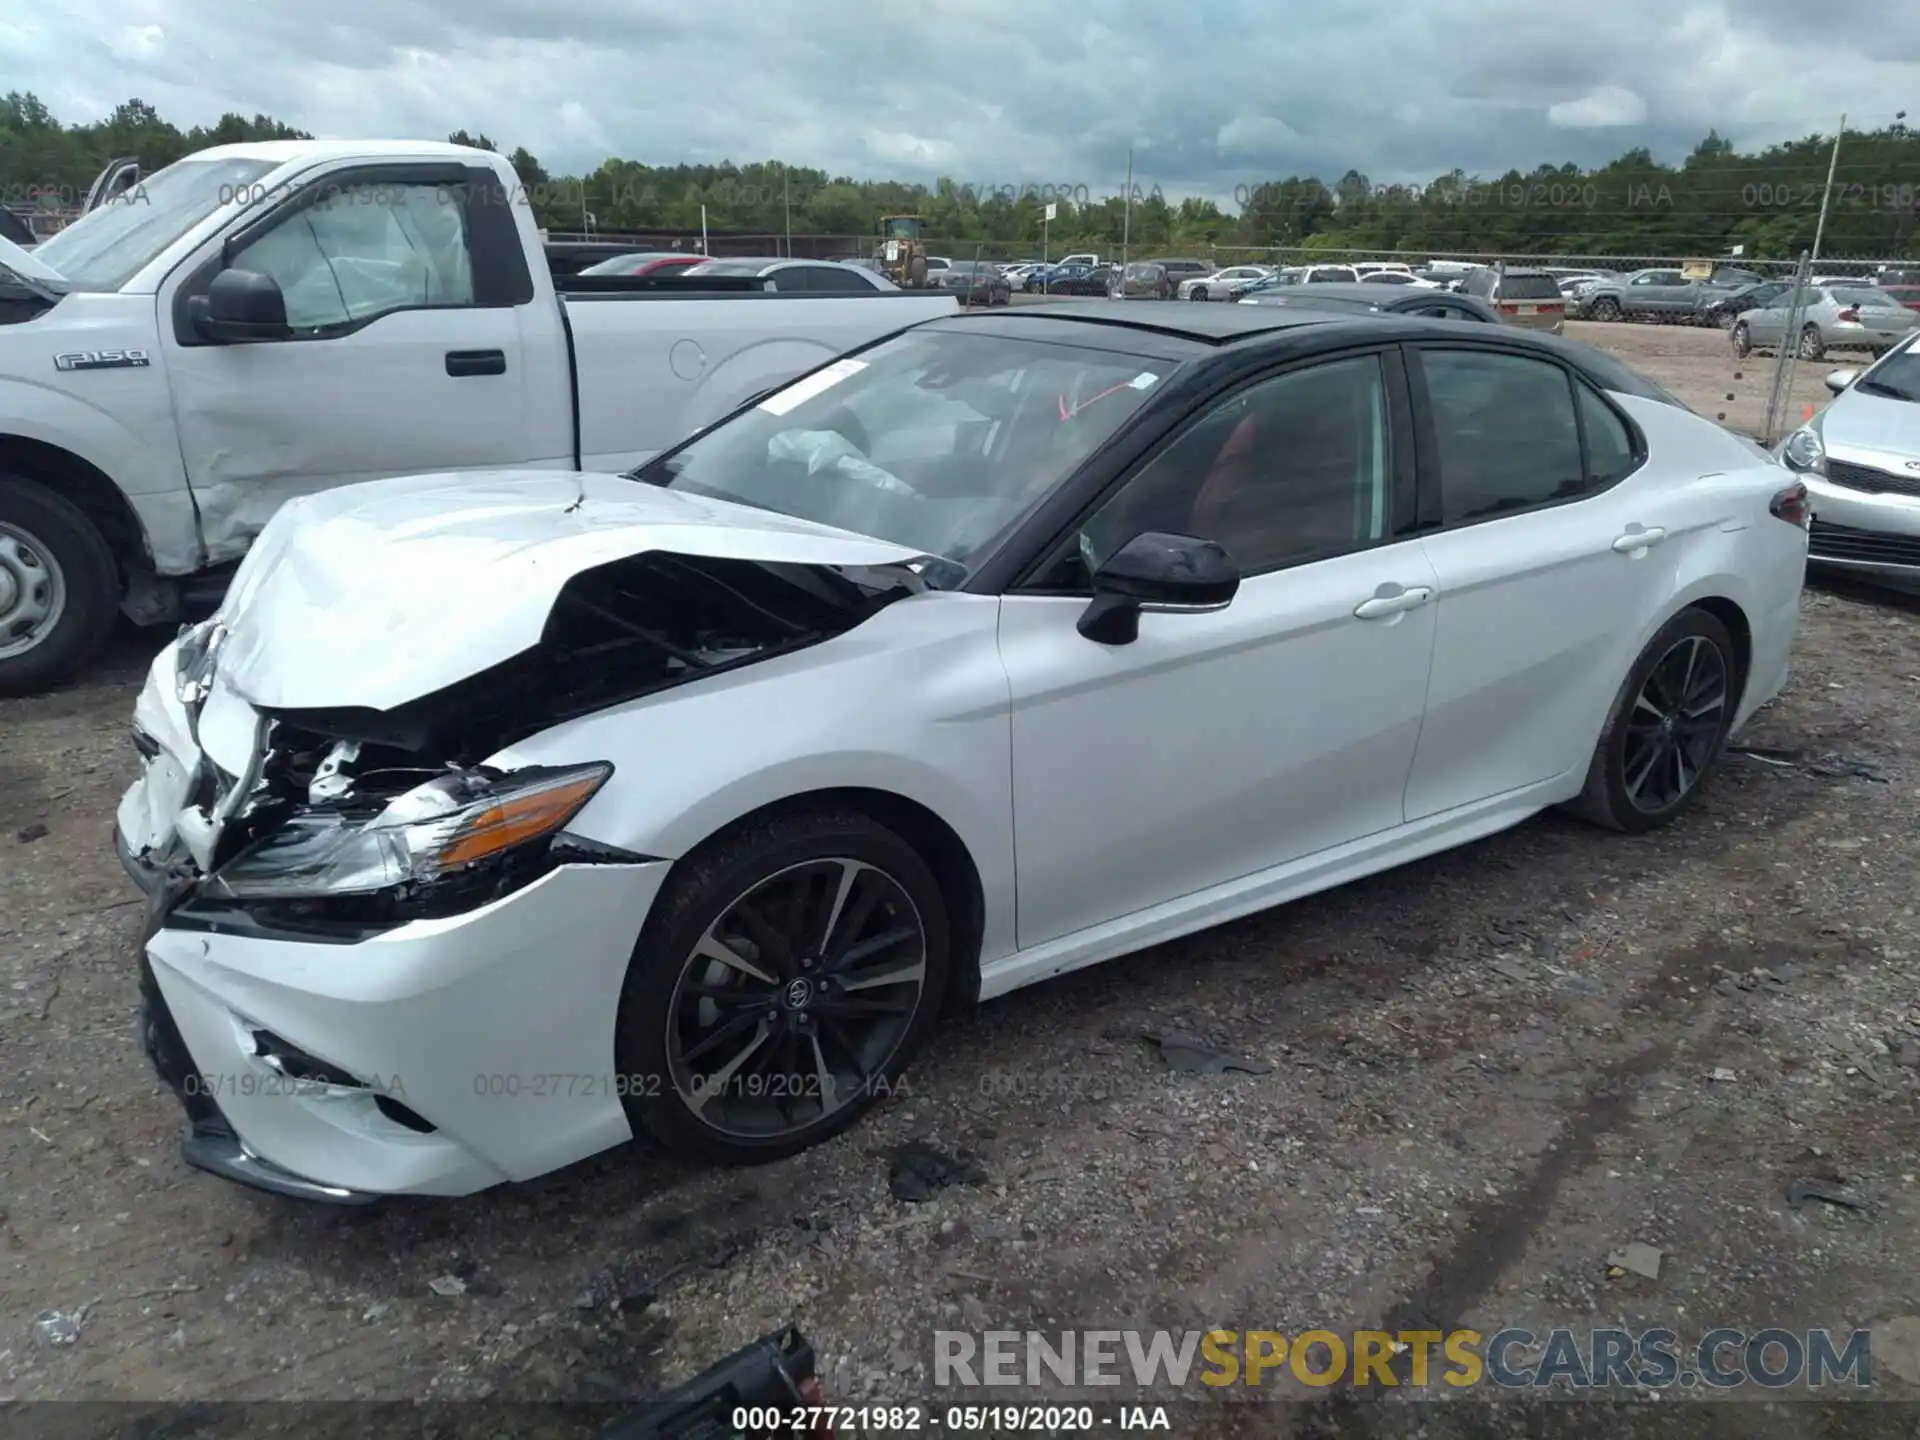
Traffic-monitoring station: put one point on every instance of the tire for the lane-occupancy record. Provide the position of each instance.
(704, 890)
(1742, 339)
(917, 273)
(1609, 796)
(1199, 292)
(1811, 346)
(1606, 309)
(59, 587)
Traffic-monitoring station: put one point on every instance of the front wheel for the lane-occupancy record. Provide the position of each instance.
(59, 587)
(1742, 339)
(1199, 292)
(781, 985)
(1667, 728)
(1606, 308)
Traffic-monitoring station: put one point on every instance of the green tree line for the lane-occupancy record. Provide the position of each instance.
(1767, 201)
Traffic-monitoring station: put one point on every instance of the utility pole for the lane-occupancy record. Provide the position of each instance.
(1126, 214)
(786, 196)
(1833, 164)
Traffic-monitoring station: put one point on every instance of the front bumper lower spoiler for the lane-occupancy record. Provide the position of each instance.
(210, 1143)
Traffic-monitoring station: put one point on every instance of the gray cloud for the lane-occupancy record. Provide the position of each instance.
(991, 92)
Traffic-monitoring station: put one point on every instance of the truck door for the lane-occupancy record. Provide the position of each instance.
(411, 311)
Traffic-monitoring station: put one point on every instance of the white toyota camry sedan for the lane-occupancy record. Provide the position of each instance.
(496, 818)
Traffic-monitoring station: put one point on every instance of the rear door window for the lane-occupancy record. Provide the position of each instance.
(1506, 430)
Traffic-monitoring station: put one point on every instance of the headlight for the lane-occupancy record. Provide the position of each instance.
(1804, 451)
(446, 826)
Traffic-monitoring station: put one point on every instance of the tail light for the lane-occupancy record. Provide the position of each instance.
(1509, 309)
(1790, 505)
(1851, 315)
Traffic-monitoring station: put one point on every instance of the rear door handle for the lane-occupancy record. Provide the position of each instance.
(476, 362)
(1637, 539)
(1383, 604)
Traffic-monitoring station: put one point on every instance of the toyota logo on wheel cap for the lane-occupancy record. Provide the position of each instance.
(799, 993)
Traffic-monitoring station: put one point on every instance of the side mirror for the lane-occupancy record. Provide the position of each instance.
(1161, 572)
(1839, 380)
(240, 307)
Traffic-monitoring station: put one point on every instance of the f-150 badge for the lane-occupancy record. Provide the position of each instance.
(101, 360)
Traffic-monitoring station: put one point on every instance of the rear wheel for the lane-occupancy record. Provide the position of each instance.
(1742, 339)
(1667, 728)
(782, 983)
(1812, 345)
(917, 273)
(59, 587)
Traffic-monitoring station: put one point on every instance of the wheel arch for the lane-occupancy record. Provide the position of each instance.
(84, 484)
(947, 855)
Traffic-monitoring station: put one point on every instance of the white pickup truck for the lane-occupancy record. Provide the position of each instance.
(260, 321)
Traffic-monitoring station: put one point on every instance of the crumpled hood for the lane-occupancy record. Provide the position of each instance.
(375, 594)
(1871, 429)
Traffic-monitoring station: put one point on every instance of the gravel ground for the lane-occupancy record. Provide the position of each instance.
(1486, 1073)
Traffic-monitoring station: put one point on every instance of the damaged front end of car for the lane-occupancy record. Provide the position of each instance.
(337, 825)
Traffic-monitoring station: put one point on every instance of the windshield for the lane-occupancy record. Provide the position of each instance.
(934, 440)
(1896, 377)
(105, 248)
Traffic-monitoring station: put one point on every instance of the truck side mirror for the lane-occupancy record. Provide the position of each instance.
(241, 307)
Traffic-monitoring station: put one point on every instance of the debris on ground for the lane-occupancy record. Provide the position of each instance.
(1635, 1259)
(1801, 1191)
(1830, 766)
(59, 1327)
(1722, 1075)
(1191, 1056)
(447, 1285)
(919, 1171)
(1511, 969)
(31, 833)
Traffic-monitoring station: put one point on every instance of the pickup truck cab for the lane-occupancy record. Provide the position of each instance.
(261, 321)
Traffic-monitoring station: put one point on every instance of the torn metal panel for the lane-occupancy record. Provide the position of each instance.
(374, 595)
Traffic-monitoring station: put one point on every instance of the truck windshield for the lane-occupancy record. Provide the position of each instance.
(934, 440)
(105, 248)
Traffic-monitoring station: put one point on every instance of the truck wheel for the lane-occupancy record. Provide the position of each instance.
(59, 587)
(1606, 308)
(917, 273)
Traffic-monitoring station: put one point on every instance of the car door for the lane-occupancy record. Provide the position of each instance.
(1219, 745)
(1543, 591)
(412, 321)
(1768, 322)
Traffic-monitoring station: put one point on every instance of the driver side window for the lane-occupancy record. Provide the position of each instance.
(1289, 470)
(367, 249)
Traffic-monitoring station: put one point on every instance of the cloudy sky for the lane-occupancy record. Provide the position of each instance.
(992, 92)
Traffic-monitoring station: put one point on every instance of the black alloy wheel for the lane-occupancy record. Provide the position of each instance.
(1667, 728)
(781, 986)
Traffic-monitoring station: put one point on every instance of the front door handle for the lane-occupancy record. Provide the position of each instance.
(1639, 539)
(1393, 600)
(476, 362)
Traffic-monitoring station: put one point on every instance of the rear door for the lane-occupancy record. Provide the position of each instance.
(414, 324)
(1542, 592)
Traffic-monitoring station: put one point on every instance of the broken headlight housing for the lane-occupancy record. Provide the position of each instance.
(196, 654)
(454, 825)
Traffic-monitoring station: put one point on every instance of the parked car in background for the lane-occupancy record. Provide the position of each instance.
(523, 812)
(644, 262)
(1050, 277)
(1527, 298)
(1397, 277)
(1723, 310)
(1181, 269)
(1081, 257)
(1907, 293)
(1219, 284)
(1853, 317)
(1860, 459)
(1299, 275)
(1364, 297)
(1653, 294)
(796, 277)
(211, 337)
(1084, 280)
(975, 282)
(937, 262)
(1139, 280)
